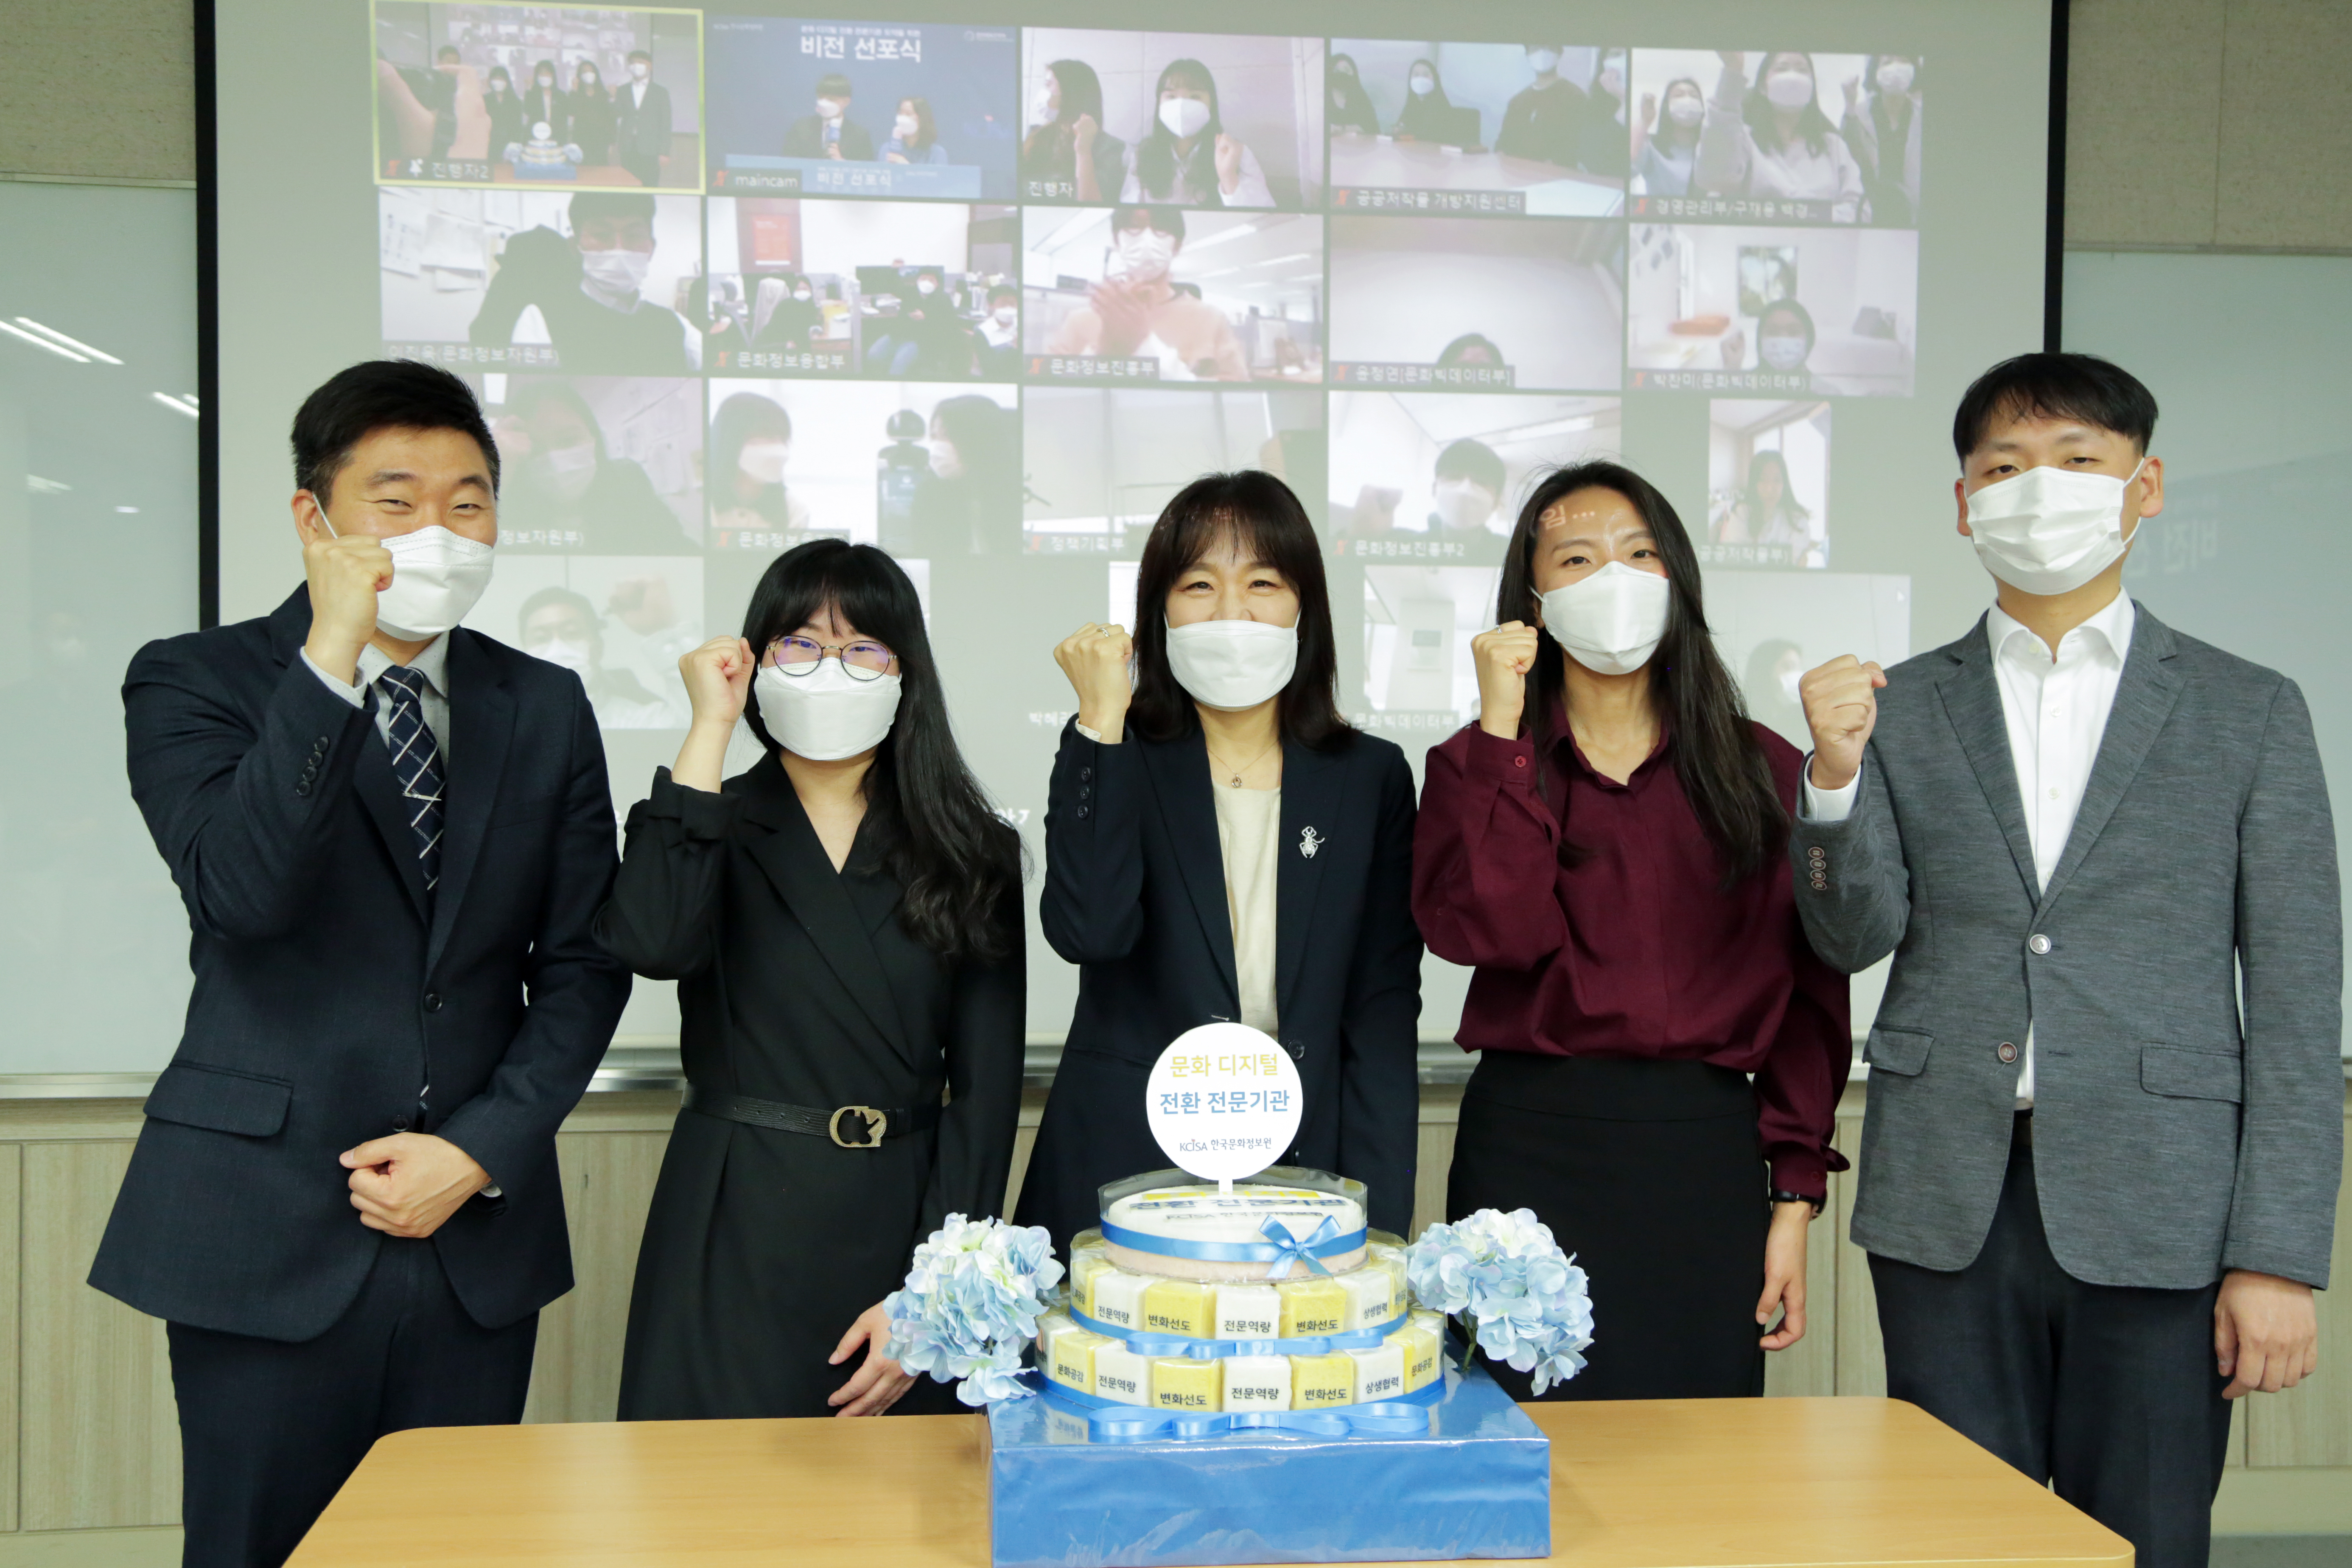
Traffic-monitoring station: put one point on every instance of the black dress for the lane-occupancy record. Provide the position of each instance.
(798, 984)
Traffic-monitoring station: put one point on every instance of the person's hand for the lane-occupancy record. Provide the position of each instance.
(1229, 163)
(1502, 658)
(1734, 60)
(1094, 658)
(410, 1184)
(1852, 92)
(2265, 1332)
(832, 151)
(1649, 110)
(1841, 701)
(345, 575)
(643, 604)
(894, 157)
(718, 677)
(1734, 346)
(1082, 131)
(1784, 1275)
(1125, 319)
(879, 1383)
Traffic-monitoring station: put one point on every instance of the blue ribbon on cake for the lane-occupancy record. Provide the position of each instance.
(1146, 1343)
(1280, 1252)
(1108, 1421)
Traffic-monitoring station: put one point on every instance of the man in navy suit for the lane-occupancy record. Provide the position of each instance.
(390, 835)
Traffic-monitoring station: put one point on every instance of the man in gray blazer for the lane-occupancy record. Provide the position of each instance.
(2099, 1169)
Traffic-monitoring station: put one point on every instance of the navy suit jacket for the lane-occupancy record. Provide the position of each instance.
(327, 998)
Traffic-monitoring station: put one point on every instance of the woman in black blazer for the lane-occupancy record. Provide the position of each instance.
(845, 923)
(544, 103)
(1160, 889)
(594, 116)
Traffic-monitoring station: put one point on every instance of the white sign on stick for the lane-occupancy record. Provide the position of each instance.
(1224, 1101)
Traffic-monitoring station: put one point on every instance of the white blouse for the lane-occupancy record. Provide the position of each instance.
(1249, 822)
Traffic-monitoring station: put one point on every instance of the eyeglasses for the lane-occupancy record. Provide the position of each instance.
(859, 661)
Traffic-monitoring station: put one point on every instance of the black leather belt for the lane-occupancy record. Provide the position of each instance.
(869, 1128)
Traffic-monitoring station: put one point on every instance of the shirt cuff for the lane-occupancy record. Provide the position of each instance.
(1828, 804)
(1093, 735)
(356, 695)
(1499, 760)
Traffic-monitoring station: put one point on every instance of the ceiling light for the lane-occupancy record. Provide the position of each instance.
(172, 403)
(56, 336)
(1239, 231)
(129, 511)
(41, 487)
(44, 344)
(1294, 255)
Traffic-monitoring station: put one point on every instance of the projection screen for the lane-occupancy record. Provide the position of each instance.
(873, 274)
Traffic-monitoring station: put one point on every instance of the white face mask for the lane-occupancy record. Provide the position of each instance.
(587, 84)
(1543, 62)
(1005, 315)
(1790, 90)
(1781, 353)
(1232, 665)
(436, 577)
(1613, 78)
(828, 713)
(641, 70)
(1184, 117)
(569, 470)
(2050, 530)
(764, 460)
(946, 461)
(1424, 86)
(905, 126)
(1462, 505)
(1145, 253)
(571, 655)
(620, 273)
(803, 295)
(1685, 110)
(1896, 76)
(1611, 622)
(828, 108)
(927, 286)
(546, 83)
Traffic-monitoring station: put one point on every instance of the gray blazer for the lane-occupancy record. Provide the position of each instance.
(2174, 1135)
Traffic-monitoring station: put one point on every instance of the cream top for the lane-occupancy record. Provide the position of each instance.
(1249, 821)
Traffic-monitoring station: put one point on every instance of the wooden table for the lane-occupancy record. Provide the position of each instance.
(1738, 1483)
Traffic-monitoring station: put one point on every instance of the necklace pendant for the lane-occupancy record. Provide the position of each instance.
(1235, 782)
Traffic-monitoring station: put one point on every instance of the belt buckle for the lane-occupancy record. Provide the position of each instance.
(877, 1124)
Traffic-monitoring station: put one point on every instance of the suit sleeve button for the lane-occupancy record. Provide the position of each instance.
(1518, 762)
(2006, 1051)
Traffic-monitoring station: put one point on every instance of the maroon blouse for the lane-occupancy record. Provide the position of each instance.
(1639, 950)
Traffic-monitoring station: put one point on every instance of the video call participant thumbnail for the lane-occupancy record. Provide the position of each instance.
(1139, 314)
(565, 483)
(585, 291)
(1067, 154)
(1544, 120)
(1771, 140)
(563, 628)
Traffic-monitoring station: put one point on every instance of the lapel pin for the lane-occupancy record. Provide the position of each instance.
(1311, 841)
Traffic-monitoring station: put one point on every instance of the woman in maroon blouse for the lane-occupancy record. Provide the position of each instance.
(1606, 847)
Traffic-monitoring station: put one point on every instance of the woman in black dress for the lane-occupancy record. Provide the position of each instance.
(845, 923)
(1220, 844)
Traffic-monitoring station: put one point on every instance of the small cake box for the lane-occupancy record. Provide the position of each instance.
(1476, 1483)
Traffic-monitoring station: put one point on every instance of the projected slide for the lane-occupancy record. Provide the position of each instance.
(987, 294)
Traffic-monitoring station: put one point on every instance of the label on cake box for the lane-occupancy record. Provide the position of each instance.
(1316, 1306)
(1180, 1306)
(1249, 1312)
(1119, 1299)
(1258, 1382)
(1419, 1346)
(1072, 1358)
(1380, 1373)
(1368, 1299)
(1180, 1383)
(1320, 1382)
(1121, 1374)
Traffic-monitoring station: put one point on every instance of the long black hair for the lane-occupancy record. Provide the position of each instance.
(1264, 520)
(958, 861)
(1763, 119)
(1715, 753)
(1155, 155)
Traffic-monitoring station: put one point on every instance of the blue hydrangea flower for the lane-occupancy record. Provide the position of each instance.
(1514, 1292)
(970, 1305)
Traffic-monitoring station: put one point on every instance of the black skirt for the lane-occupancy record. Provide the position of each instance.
(1651, 1172)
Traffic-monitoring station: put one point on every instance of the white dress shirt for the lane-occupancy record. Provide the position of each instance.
(433, 664)
(2056, 708)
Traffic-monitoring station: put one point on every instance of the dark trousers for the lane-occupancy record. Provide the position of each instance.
(270, 1431)
(645, 167)
(1651, 1174)
(2107, 1392)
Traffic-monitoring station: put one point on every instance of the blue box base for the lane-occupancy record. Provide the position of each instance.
(1476, 1483)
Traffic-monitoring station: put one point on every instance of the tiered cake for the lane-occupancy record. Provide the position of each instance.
(1272, 1297)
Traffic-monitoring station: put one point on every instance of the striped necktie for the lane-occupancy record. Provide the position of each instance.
(417, 764)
